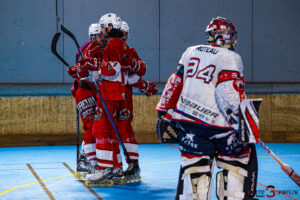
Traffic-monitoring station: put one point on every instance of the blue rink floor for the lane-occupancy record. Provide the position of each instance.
(42, 173)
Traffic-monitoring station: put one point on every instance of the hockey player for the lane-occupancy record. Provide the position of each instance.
(85, 97)
(126, 115)
(117, 59)
(98, 39)
(202, 99)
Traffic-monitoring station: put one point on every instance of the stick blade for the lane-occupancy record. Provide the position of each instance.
(54, 42)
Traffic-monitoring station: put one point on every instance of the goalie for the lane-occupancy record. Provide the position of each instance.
(201, 101)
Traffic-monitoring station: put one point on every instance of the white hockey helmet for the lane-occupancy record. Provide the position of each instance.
(110, 18)
(94, 29)
(125, 27)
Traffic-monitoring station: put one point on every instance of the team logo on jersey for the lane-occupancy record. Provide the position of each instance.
(98, 113)
(124, 114)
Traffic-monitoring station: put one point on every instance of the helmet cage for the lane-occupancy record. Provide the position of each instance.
(221, 32)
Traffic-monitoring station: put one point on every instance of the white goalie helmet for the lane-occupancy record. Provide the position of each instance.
(110, 18)
(94, 29)
(125, 27)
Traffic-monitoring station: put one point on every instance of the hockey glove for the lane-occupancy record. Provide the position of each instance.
(108, 68)
(147, 87)
(72, 71)
(165, 132)
(88, 64)
(136, 66)
(140, 68)
(94, 50)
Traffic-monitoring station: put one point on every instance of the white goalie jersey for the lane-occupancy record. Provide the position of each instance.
(213, 86)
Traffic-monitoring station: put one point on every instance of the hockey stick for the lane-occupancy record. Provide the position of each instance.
(53, 48)
(70, 34)
(54, 51)
(286, 168)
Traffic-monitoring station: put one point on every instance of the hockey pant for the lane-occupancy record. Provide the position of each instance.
(199, 146)
(86, 104)
(125, 128)
(107, 143)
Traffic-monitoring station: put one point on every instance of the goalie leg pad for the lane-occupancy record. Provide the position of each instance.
(195, 178)
(230, 185)
(251, 179)
(237, 180)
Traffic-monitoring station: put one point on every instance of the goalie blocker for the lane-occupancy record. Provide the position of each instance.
(249, 121)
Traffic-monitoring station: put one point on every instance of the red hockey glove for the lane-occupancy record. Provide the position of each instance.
(94, 50)
(135, 66)
(86, 64)
(72, 71)
(142, 67)
(107, 68)
(128, 64)
(147, 87)
(74, 88)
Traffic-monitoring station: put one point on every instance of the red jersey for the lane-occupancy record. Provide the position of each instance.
(116, 53)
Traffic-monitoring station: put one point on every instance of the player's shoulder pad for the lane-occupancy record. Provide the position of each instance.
(189, 49)
(232, 60)
(117, 42)
(184, 54)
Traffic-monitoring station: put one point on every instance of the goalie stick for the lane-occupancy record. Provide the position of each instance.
(72, 36)
(286, 168)
(54, 51)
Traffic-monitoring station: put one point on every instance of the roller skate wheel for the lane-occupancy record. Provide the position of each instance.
(77, 175)
(94, 185)
(139, 178)
(122, 181)
(88, 184)
(102, 183)
(110, 183)
(117, 181)
(127, 180)
(130, 180)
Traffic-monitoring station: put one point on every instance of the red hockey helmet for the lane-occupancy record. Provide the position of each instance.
(221, 32)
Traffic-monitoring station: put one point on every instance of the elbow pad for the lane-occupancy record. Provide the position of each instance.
(171, 93)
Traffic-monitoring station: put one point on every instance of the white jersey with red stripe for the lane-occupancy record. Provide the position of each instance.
(211, 80)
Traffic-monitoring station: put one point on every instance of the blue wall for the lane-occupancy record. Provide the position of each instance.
(160, 30)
